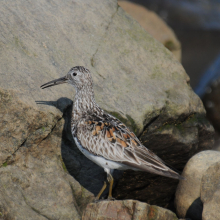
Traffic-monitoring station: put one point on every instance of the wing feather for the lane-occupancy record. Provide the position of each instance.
(108, 137)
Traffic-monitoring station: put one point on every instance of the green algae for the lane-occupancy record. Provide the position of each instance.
(19, 44)
(63, 165)
(5, 164)
(170, 45)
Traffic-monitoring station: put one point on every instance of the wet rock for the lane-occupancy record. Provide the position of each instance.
(202, 181)
(154, 25)
(128, 209)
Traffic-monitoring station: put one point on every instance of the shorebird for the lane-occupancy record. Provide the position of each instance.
(103, 138)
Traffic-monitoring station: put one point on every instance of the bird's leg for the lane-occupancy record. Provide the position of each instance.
(111, 181)
(101, 191)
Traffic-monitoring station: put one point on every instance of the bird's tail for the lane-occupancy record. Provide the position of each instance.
(172, 174)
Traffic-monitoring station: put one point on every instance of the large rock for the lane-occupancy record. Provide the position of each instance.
(197, 196)
(154, 25)
(128, 209)
(33, 183)
(136, 79)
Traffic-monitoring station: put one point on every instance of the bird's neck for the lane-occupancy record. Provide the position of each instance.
(84, 104)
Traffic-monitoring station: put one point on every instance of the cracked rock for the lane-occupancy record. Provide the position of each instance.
(33, 182)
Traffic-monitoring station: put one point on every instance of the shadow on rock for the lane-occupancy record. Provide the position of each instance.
(61, 103)
(87, 173)
(194, 212)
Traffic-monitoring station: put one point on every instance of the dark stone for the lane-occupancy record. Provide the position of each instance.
(195, 210)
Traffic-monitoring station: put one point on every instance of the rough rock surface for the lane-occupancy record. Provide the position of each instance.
(33, 184)
(128, 209)
(200, 191)
(154, 25)
(210, 192)
(136, 79)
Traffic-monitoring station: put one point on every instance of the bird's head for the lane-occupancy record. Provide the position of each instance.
(78, 76)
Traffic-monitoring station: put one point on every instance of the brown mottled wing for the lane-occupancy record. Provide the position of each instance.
(106, 136)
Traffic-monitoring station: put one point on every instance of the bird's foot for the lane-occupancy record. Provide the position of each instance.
(96, 200)
(110, 198)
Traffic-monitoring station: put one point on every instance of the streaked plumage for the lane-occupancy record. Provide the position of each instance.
(103, 138)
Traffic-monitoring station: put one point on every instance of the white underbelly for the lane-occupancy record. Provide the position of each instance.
(101, 161)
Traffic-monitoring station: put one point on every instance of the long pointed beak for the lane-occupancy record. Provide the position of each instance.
(55, 82)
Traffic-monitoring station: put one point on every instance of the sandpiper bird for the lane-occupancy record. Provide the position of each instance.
(103, 138)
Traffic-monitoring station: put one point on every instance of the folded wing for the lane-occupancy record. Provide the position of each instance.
(106, 136)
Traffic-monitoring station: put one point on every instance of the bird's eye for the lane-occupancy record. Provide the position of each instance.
(74, 74)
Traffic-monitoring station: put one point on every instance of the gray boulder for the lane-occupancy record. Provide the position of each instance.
(136, 79)
(197, 197)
